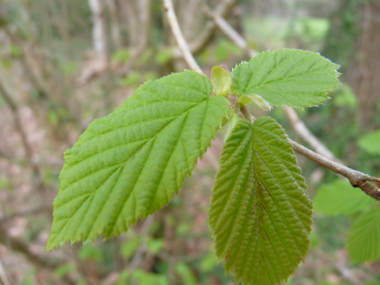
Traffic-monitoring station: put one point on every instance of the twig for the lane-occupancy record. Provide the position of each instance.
(230, 32)
(28, 149)
(306, 135)
(13, 107)
(41, 261)
(3, 275)
(204, 37)
(356, 178)
(172, 18)
(144, 244)
(32, 210)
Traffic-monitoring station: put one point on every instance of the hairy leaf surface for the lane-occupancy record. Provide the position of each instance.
(363, 238)
(287, 77)
(130, 163)
(260, 213)
(340, 198)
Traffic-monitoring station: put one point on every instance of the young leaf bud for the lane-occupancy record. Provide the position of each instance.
(221, 80)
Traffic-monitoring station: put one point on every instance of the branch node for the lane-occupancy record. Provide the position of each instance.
(369, 189)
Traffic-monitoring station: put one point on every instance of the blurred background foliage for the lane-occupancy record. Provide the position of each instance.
(64, 63)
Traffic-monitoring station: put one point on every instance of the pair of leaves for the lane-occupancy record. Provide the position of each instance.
(340, 198)
(129, 164)
(260, 212)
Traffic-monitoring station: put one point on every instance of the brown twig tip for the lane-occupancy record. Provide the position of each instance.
(369, 189)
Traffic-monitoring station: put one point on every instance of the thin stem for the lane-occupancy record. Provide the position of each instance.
(356, 178)
(307, 135)
(229, 31)
(206, 35)
(14, 109)
(172, 18)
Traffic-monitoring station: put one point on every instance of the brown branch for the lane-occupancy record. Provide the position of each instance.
(28, 149)
(356, 178)
(19, 245)
(205, 36)
(3, 275)
(31, 210)
(230, 32)
(14, 109)
(172, 18)
(306, 135)
(57, 163)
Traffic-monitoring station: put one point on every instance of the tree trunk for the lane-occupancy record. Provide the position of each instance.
(98, 28)
(363, 74)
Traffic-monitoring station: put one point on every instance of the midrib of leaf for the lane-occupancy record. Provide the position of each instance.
(145, 140)
(125, 199)
(167, 161)
(263, 80)
(123, 164)
(233, 184)
(257, 220)
(170, 118)
(287, 77)
(87, 201)
(273, 222)
(282, 79)
(263, 231)
(285, 60)
(279, 183)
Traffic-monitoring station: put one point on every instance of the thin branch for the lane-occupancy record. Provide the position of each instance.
(229, 31)
(356, 178)
(14, 109)
(205, 36)
(306, 135)
(3, 275)
(29, 211)
(138, 256)
(21, 246)
(172, 18)
(28, 149)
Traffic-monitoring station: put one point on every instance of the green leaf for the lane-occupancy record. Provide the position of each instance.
(155, 245)
(340, 198)
(90, 252)
(129, 247)
(64, 269)
(130, 163)
(260, 213)
(221, 80)
(286, 77)
(371, 142)
(187, 276)
(363, 238)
